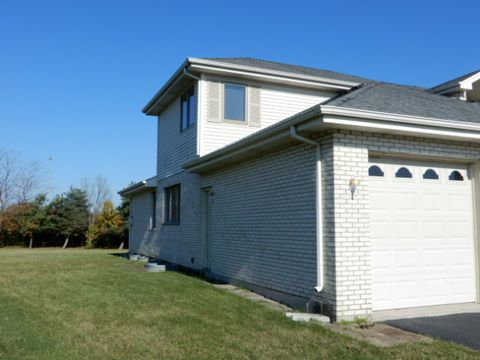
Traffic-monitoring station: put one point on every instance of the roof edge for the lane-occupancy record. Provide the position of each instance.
(215, 64)
(329, 115)
(138, 187)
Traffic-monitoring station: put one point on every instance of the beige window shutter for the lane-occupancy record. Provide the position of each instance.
(214, 101)
(254, 106)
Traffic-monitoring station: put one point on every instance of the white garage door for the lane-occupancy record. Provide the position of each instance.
(421, 218)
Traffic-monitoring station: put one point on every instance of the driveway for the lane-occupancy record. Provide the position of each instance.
(460, 328)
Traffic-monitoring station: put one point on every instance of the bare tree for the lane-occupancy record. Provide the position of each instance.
(8, 176)
(98, 191)
(30, 181)
(18, 183)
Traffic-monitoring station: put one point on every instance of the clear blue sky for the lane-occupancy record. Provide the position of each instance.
(74, 75)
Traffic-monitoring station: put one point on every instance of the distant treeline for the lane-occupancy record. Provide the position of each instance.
(80, 217)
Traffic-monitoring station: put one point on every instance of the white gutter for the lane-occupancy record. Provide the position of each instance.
(209, 63)
(318, 203)
(185, 71)
(392, 117)
(320, 83)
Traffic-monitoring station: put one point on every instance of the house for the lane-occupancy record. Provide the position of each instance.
(325, 191)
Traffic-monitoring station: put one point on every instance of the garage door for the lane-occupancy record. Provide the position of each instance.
(421, 218)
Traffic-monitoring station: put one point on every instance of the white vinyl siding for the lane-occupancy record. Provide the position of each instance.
(267, 105)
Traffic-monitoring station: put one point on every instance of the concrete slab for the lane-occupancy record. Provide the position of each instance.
(438, 310)
(305, 317)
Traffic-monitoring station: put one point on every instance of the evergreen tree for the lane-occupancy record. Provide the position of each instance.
(71, 215)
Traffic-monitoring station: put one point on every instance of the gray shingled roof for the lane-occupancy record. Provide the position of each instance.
(452, 82)
(381, 96)
(302, 70)
(407, 100)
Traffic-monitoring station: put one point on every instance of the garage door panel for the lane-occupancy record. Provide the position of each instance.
(459, 230)
(380, 230)
(421, 238)
(433, 229)
(434, 259)
(457, 202)
(382, 259)
(404, 201)
(407, 259)
(405, 230)
(433, 202)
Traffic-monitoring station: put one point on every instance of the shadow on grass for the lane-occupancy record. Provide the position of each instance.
(199, 274)
(123, 255)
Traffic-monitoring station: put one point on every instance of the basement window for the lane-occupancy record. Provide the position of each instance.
(172, 205)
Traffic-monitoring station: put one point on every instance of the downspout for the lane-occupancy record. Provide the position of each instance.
(318, 203)
(199, 108)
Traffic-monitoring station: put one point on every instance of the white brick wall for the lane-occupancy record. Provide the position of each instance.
(178, 243)
(263, 231)
(348, 237)
(263, 221)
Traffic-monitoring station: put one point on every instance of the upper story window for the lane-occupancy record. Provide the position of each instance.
(234, 102)
(187, 109)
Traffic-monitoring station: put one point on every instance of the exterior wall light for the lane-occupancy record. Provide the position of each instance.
(354, 183)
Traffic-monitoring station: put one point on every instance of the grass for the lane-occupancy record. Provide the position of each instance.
(89, 304)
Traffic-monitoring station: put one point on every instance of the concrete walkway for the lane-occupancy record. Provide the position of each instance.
(254, 297)
(377, 334)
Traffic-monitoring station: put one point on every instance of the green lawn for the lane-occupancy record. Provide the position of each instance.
(90, 304)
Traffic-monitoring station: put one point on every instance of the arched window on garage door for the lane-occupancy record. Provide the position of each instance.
(375, 170)
(430, 174)
(403, 172)
(455, 176)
